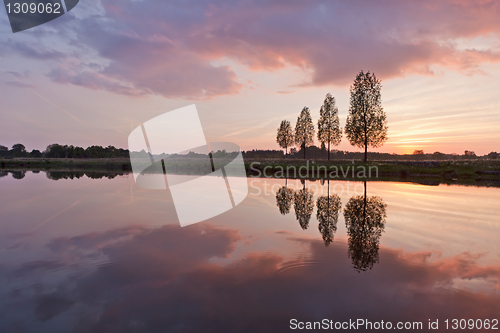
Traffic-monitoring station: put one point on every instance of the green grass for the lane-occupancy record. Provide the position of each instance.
(471, 172)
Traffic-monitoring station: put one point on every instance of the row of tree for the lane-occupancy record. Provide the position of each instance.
(60, 151)
(366, 124)
(315, 152)
(364, 217)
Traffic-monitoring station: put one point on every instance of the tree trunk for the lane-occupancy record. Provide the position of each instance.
(328, 150)
(366, 132)
(304, 147)
(286, 151)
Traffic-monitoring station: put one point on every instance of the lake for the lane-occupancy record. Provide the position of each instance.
(103, 255)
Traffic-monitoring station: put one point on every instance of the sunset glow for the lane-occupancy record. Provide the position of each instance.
(92, 75)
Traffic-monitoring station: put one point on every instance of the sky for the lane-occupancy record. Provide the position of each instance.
(89, 77)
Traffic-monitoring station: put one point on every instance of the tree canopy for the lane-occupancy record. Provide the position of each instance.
(329, 131)
(366, 124)
(285, 137)
(304, 129)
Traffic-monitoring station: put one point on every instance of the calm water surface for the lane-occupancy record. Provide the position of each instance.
(102, 255)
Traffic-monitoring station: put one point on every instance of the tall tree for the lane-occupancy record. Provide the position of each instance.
(304, 129)
(284, 138)
(366, 124)
(329, 130)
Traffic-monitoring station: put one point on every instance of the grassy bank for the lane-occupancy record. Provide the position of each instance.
(472, 172)
(427, 172)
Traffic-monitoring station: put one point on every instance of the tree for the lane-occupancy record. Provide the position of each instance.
(366, 124)
(35, 153)
(418, 152)
(19, 146)
(493, 155)
(470, 154)
(3, 151)
(55, 151)
(18, 150)
(329, 130)
(304, 129)
(284, 138)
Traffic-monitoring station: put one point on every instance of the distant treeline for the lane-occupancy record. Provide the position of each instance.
(313, 152)
(59, 151)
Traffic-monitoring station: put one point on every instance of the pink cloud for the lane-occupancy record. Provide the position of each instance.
(170, 48)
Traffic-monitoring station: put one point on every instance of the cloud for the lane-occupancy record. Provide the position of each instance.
(94, 80)
(163, 279)
(93, 241)
(170, 49)
(19, 84)
(33, 266)
(51, 305)
(31, 50)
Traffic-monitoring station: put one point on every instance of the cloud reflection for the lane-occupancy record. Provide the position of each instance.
(166, 279)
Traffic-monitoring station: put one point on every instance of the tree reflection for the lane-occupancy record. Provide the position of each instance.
(327, 213)
(284, 199)
(365, 221)
(303, 206)
(18, 174)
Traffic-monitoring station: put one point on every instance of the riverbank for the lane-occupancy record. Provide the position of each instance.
(467, 172)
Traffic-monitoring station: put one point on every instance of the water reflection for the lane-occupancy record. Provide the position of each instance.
(364, 217)
(56, 175)
(18, 174)
(328, 208)
(303, 205)
(65, 174)
(284, 198)
(155, 280)
(107, 265)
(365, 221)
